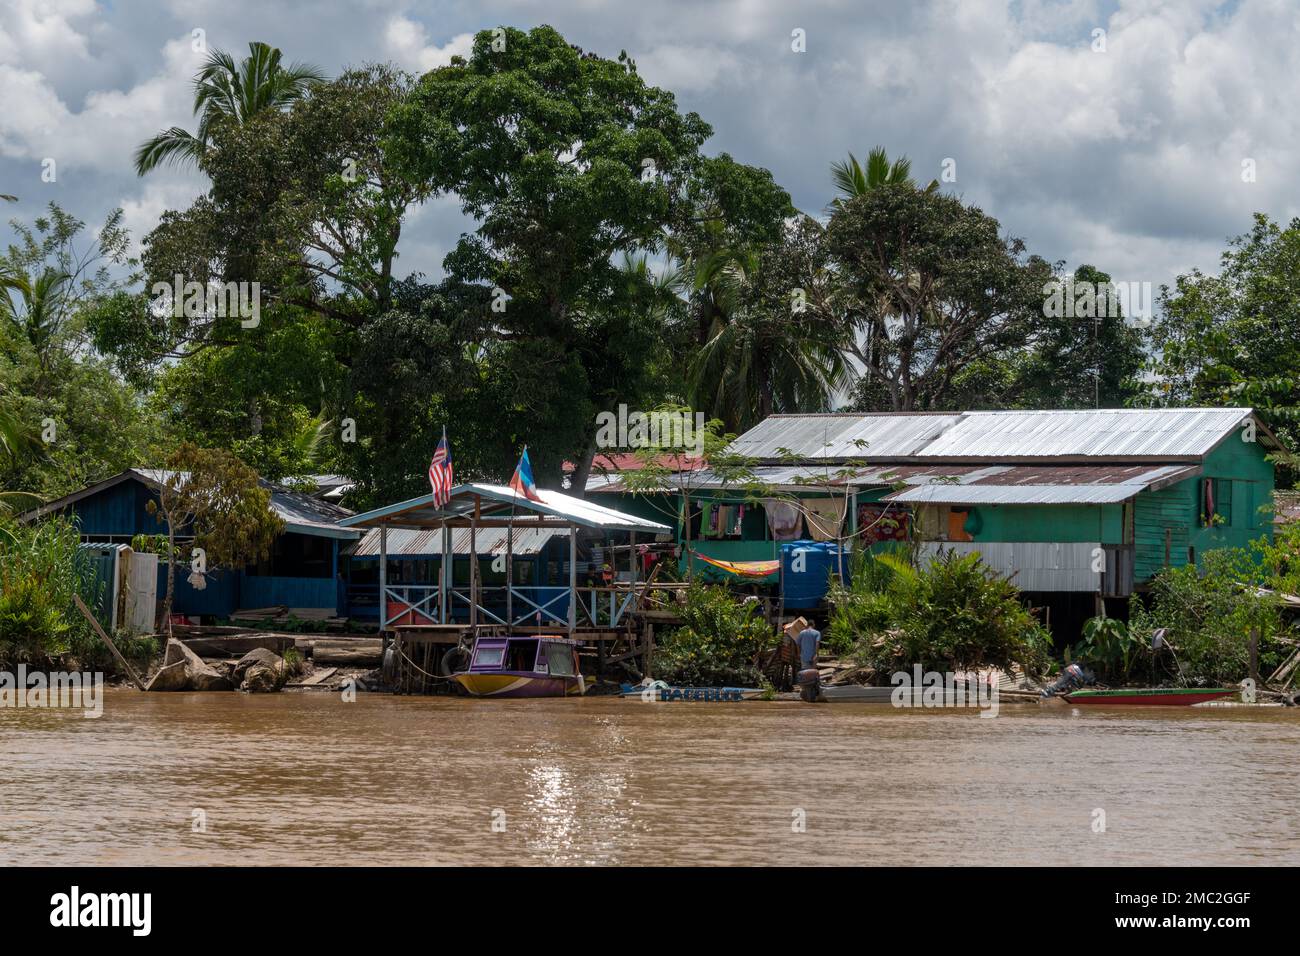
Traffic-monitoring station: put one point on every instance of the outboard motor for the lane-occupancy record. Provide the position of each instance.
(1071, 678)
(809, 682)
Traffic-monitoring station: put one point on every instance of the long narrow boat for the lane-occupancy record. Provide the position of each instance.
(668, 693)
(1150, 697)
(522, 667)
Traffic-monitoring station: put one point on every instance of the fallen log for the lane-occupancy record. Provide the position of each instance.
(344, 652)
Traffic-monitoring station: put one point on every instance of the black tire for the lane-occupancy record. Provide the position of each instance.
(456, 659)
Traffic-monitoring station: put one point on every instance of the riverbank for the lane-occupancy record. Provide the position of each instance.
(309, 778)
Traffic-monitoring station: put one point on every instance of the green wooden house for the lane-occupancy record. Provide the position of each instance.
(1080, 507)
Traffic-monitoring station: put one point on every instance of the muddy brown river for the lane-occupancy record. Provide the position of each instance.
(309, 778)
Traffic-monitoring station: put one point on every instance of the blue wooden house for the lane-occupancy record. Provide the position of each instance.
(302, 572)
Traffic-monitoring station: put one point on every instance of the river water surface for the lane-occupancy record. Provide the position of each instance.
(309, 778)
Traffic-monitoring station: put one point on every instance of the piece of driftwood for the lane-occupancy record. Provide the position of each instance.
(94, 622)
(316, 679)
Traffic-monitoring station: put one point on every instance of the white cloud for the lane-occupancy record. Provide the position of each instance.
(407, 42)
(1128, 159)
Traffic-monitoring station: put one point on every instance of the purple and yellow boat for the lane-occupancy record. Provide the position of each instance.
(523, 667)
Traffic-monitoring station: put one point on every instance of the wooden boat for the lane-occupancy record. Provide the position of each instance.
(523, 667)
(857, 693)
(1149, 697)
(668, 693)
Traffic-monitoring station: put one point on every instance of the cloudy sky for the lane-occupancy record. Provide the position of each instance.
(1108, 133)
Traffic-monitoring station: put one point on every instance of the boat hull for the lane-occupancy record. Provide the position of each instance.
(675, 694)
(518, 684)
(1158, 697)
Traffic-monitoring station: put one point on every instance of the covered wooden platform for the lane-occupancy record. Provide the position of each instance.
(427, 618)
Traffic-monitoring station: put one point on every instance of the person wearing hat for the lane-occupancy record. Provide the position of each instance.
(806, 638)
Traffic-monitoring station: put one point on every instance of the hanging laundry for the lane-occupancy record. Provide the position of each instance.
(737, 527)
(725, 513)
(825, 517)
(784, 518)
(706, 519)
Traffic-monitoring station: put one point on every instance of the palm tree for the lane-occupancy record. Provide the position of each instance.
(852, 179)
(228, 92)
(14, 438)
(753, 363)
(40, 317)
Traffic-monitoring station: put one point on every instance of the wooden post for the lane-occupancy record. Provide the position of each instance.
(1254, 655)
(444, 574)
(632, 571)
(573, 580)
(473, 564)
(383, 587)
(94, 622)
(648, 648)
(510, 574)
(686, 530)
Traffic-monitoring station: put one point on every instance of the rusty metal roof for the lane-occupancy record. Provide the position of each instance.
(1032, 485)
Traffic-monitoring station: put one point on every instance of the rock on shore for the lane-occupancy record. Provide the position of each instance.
(182, 669)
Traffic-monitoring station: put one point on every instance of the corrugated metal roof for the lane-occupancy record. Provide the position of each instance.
(500, 501)
(1089, 433)
(842, 436)
(1031, 485)
(1146, 433)
(1016, 494)
(301, 513)
(407, 543)
(795, 477)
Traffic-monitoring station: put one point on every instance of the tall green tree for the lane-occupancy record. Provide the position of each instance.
(931, 286)
(89, 422)
(769, 349)
(226, 92)
(566, 160)
(1234, 338)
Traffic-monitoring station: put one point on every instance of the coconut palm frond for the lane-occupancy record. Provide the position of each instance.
(226, 91)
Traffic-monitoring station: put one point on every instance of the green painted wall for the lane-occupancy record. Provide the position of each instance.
(1102, 523)
(1243, 482)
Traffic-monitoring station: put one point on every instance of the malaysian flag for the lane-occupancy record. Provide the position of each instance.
(440, 472)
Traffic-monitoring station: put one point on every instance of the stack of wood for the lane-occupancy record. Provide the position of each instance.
(282, 613)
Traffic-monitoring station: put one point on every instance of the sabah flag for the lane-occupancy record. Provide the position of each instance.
(522, 480)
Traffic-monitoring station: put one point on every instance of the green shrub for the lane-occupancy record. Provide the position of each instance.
(41, 568)
(954, 613)
(719, 643)
(1210, 611)
(1111, 649)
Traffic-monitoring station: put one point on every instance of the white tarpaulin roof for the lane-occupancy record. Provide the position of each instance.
(501, 503)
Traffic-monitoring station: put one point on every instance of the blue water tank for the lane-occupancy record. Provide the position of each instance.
(806, 568)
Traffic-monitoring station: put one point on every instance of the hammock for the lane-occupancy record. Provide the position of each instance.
(744, 569)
